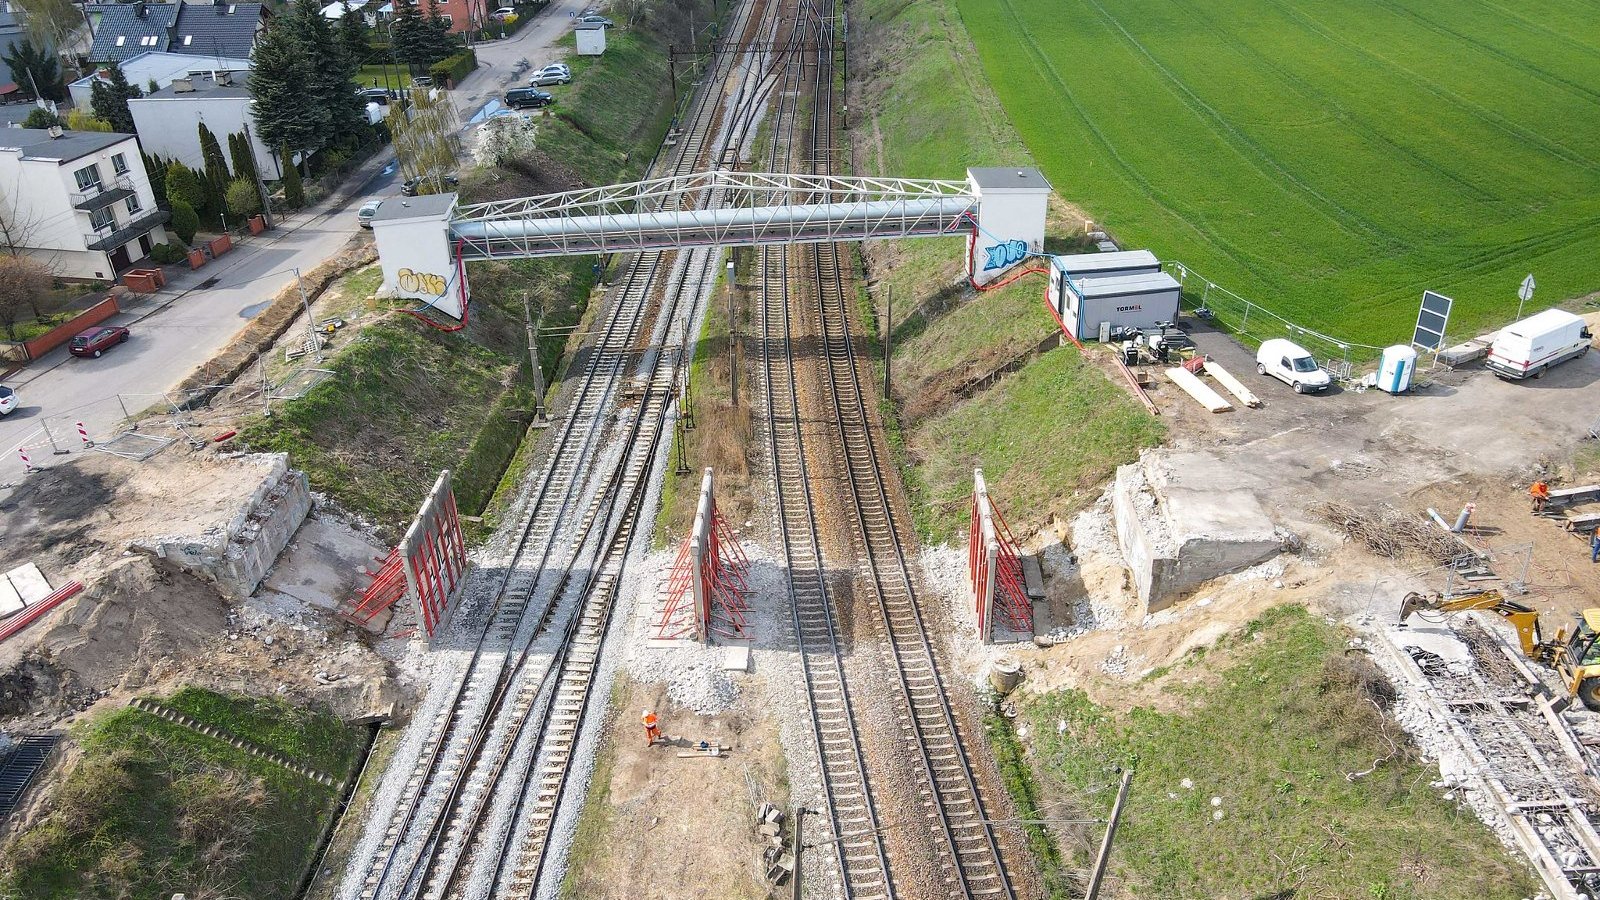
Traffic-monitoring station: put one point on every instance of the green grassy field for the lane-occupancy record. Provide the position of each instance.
(1328, 160)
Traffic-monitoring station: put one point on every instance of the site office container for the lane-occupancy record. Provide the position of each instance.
(1527, 348)
(1141, 300)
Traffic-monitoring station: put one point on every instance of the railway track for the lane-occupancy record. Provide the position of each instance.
(861, 862)
(435, 834)
(971, 863)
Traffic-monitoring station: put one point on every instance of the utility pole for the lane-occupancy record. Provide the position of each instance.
(266, 389)
(1111, 832)
(533, 360)
(311, 326)
(733, 341)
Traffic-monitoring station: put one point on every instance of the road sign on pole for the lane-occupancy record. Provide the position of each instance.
(1525, 293)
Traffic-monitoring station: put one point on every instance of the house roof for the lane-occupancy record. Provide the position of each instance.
(425, 206)
(1026, 178)
(161, 67)
(36, 143)
(216, 29)
(202, 89)
(192, 29)
(122, 32)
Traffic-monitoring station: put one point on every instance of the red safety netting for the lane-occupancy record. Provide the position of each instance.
(706, 590)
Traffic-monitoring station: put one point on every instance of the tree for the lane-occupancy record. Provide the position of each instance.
(243, 156)
(279, 81)
(294, 194)
(216, 170)
(23, 283)
(83, 120)
(354, 35)
(52, 23)
(185, 221)
(183, 184)
(43, 118)
(156, 170)
(406, 40)
(332, 73)
(109, 99)
(243, 201)
(438, 42)
(35, 70)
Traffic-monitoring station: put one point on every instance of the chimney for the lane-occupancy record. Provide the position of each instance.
(140, 10)
(182, 86)
(224, 78)
(54, 131)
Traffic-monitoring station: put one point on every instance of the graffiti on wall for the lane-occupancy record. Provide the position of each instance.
(1001, 255)
(421, 282)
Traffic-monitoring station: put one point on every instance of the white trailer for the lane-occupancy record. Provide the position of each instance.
(1526, 349)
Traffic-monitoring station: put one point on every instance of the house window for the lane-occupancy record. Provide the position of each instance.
(188, 39)
(88, 178)
(133, 204)
(121, 39)
(119, 164)
(103, 219)
(449, 21)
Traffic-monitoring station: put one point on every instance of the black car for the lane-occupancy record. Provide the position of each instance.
(410, 185)
(376, 95)
(528, 98)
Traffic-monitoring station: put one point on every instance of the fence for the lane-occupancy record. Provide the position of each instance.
(1248, 319)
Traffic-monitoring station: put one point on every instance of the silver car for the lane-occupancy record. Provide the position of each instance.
(556, 73)
(366, 212)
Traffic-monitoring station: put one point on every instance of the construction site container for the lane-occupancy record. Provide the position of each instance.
(1527, 348)
(1104, 265)
(1125, 301)
(1395, 367)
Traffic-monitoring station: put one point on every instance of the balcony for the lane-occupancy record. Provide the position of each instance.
(104, 194)
(109, 238)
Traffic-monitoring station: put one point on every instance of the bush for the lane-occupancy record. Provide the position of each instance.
(42, 118)
(243, 199)
(165, 254)
(184, 184)
(449, 71)
(185, 221)
(294, 193)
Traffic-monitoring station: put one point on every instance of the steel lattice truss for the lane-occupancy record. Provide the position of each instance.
(705, 208)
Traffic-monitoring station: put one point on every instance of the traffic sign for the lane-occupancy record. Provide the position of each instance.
(1525, 293)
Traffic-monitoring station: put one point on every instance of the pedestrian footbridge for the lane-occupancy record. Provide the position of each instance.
(425, 242)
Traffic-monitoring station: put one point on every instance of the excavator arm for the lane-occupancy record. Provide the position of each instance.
(1522, 617)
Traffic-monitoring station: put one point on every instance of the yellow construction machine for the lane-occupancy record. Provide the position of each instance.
(1575, 656)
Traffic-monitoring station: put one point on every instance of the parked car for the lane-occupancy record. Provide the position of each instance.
(376, 95)
(596, 20)
(97, 340)
(1291, 364)
(412, 185)
(366, 212)
(528, 98)
(553, 74)
(502, 12)
(8, 400)
(1528, 348)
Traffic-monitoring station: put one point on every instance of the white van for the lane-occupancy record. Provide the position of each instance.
(1527, 348)
(1291, 364)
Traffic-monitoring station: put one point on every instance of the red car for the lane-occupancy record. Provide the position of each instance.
(97, 340)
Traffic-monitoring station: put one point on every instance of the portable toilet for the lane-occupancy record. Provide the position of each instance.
(591, 39)
(1395, 367)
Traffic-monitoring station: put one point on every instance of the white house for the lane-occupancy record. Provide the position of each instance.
(168, 121)
(162, 68)
(78, 201)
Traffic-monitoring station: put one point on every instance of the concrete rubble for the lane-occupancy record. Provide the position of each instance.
(1183, 519)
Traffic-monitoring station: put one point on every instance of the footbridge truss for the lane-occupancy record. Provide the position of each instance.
(424, 243)
(751, 208)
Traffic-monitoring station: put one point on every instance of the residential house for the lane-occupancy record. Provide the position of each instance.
(78, 201)
(160, 67)
(220, 28)
(168, 121)
(461, 14)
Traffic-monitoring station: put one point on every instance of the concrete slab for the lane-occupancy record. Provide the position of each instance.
(29, 583)
(10, 600)
(1185, 518)
(736, 659)
(322, 564)
(1439, 640)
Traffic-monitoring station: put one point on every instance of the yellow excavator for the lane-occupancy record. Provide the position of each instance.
(1575, 656)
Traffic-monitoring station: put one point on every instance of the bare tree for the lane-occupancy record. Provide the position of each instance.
(23, 283)
(427, 138)
(57, 24)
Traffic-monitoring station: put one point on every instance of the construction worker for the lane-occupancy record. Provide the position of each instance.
(652, 732)
(1594, 546)
(1540, 492)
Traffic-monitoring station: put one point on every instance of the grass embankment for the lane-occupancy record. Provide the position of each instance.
(1058, 425)
(1330, 161)
(1248, 792)
(153, 808)
(408, 399)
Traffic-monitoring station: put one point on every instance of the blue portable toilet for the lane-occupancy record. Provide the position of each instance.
(1395, 367)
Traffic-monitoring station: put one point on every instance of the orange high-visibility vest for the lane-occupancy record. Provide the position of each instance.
(1540, 491)
(650, 720)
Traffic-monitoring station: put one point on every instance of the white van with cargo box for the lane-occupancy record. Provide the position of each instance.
(1527, 348)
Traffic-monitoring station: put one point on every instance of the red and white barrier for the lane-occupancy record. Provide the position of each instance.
(27, 464)
(83, 435)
